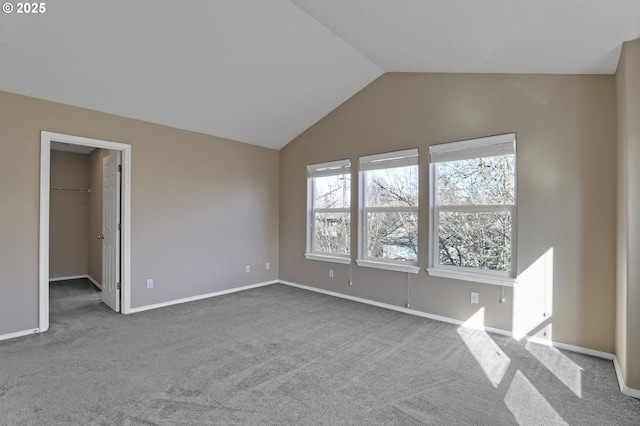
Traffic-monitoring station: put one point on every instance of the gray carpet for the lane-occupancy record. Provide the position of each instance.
(283, 356)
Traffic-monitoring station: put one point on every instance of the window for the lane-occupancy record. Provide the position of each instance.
(388, 232)
(328, 211)
(473, 194)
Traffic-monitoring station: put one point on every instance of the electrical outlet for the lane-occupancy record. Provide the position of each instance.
(150, 283)
(247, 268)
(475, 297)
(330, 273)
(267, 266)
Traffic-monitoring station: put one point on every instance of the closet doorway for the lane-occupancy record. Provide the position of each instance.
(71, 168)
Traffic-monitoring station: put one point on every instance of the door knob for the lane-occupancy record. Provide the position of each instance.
(100, 237)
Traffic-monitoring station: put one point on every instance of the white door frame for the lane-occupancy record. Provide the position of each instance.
(45, 169)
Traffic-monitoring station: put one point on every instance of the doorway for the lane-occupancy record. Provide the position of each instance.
(122, 270)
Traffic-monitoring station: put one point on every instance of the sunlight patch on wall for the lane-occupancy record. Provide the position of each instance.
(533, 297)
(567, 371)
(528, 406)
(493, 361)
(475, 321)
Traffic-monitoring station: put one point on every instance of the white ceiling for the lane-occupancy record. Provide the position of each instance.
(67, 147)
(484, 36)
(263, 71)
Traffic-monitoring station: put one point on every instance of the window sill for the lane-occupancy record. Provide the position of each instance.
(472, 276)
(325, 258)
(413, 269)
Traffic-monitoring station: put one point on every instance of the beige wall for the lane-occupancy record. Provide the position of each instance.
(628, 268)
(566, 190)
(202, 207)
(69, 215)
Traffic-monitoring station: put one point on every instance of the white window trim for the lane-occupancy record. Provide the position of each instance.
(473, 148)
(331, 168)
(387, 160)
(328, 258)
(474, 275)
(390, 265)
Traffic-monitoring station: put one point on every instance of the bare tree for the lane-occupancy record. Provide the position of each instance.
(472, 232)
(392, 230)
(332, 229)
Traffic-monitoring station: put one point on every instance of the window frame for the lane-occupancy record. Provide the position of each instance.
(504, 144)
(331, 168)
(383, 161)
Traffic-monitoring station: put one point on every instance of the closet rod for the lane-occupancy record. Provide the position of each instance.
(70, 189)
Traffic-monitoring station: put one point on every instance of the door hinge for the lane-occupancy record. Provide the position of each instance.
(119, 227)
(118, 285)
(120, 167)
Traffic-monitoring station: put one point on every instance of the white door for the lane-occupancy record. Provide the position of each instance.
(110, 233)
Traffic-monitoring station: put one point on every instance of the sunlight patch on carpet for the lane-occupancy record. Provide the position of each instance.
(493, 361)
(567, 371)
(528, 406)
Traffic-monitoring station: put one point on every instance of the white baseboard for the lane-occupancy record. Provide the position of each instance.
(19, 334)
(635, 393)
(200, 297)
(572, 348)
(394, 307)
(578, 349)
(77, 277)
(94, 282)
(72, 277)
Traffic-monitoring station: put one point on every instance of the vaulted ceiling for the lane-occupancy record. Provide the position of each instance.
(263, 71)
